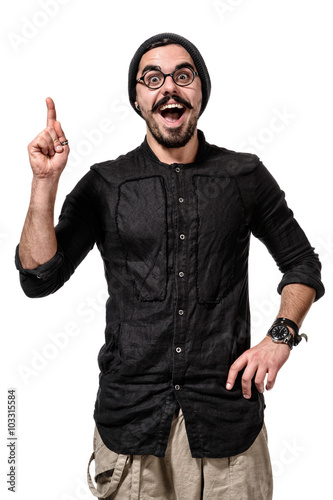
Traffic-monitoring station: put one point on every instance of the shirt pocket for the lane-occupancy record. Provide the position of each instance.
(109, 468)
(141, 218)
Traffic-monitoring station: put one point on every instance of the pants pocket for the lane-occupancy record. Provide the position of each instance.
(251, 471)
(109, 467)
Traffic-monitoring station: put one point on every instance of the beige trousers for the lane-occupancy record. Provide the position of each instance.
(178, 476)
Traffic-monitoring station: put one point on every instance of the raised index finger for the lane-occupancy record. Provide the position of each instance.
(51, 112)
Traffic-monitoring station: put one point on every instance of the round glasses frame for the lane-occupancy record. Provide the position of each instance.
(194, 73)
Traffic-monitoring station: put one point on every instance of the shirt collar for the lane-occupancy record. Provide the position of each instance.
(202, 151)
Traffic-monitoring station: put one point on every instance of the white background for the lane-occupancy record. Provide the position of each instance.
(266, 59)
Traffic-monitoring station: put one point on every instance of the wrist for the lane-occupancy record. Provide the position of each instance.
(48, 183)
(43, 192)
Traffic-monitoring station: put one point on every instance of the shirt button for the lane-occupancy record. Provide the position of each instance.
(178, 349)
(181, 200)
(181, 274)
(182, 236)
(177, 169)
(177, 387)
(180, 312)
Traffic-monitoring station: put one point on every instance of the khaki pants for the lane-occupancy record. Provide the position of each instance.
(178, 476)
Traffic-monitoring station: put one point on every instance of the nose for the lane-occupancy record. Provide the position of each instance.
(169, 85)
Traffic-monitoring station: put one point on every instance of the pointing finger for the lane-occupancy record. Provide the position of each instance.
(51, 112)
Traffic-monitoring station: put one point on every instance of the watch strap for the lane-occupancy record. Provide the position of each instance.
(298, 338)
(288, 322)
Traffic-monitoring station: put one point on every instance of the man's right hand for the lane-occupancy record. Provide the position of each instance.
(47, 156)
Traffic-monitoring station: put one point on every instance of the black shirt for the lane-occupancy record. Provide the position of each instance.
(175, 240)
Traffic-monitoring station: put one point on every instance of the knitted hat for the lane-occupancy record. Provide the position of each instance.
(191, 49)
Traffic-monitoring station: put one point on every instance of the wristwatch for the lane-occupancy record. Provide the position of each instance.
(280, 333)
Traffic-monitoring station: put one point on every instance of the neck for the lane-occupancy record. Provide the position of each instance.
(186, 154)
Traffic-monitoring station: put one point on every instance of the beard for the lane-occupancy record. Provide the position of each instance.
(175, 137)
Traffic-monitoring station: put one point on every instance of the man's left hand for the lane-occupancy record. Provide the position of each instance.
(264, 359)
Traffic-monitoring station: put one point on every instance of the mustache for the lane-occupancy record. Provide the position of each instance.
(176, 98)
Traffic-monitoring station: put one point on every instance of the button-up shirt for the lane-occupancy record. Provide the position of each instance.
(174, 240)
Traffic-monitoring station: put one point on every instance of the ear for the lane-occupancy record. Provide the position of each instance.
(137, 105)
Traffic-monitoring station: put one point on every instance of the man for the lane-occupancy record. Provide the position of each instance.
(172, 221)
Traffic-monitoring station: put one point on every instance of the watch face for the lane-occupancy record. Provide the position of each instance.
(279, 332)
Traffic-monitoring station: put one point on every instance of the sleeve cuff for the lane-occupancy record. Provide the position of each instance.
(302, 279)
(44, 270)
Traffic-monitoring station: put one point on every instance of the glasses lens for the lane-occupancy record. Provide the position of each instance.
(154, 79)
(183, 76)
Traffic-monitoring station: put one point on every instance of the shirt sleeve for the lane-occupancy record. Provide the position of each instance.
(274, 224)
(77, 231)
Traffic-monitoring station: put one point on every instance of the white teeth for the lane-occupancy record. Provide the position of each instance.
(169, 106)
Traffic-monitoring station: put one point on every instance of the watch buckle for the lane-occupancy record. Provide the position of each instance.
(298, 339)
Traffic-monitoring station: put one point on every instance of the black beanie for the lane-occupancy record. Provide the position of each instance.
(191, 49)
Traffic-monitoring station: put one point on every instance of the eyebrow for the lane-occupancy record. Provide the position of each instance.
(151, 67)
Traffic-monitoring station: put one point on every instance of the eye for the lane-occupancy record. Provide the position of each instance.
(184, 76)
(153, 78)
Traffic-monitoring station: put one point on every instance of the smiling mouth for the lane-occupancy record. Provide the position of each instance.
(172, 112)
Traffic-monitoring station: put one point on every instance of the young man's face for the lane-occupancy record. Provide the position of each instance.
(174, 127)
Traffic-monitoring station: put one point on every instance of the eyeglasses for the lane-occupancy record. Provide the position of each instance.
(154, 79)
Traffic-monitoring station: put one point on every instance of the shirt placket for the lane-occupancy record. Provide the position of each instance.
(181, 252)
